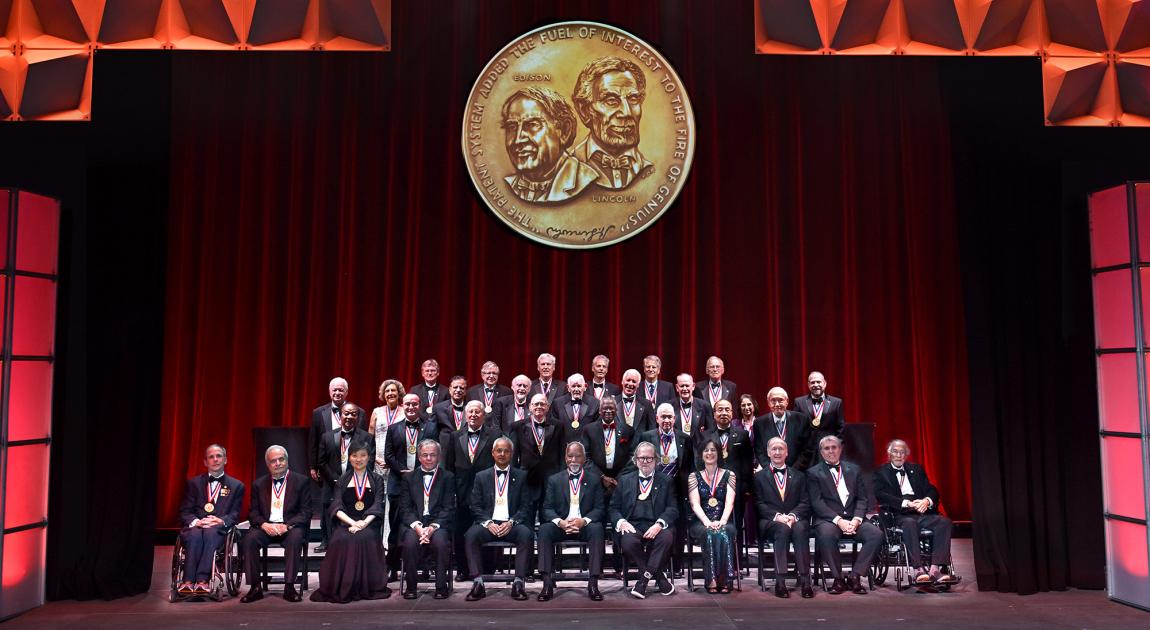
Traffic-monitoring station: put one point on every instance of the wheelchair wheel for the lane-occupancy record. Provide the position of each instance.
(177, 569)
(233, 563)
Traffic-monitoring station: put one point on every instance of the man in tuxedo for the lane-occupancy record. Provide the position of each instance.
(838, 493)
(903, 489)
(325, 419)
(784, 511)
(429, 391)
(644, 509)
(280, 513)
(210, 508)
(333, 451)
(693, 415)
(427, 506)
(676, 453)
(502, 506)
(824, 412)
(736, 455)
(511, 409)
(635, 410)
(655, 390)
(539, 445)
(546, 383)
(400, 453)
(790, 426)
(599, 387)
(490, 390)
(608, 445)
(465, 453)
(448, 415)
(715, 387)
(574, 410)
(573, 509)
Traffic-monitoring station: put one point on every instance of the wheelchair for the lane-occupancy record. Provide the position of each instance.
(893, 554)
(227, 570)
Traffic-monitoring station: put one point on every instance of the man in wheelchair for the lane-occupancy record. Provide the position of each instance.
(904, 490)
(210, 509)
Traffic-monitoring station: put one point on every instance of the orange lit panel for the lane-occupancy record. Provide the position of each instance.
(205, 24)
(56, 24)
(281, 25)
(37, 233)
(23, 571)
(1109, 231)
(1126, 561)
(789, 26)
(56, 84)
(132, 24)
(30, 400)
(932, 27)
(1007, 27)
(355, 25)
(1113, 310)
(1134, 87)
(34, 317)
(1075, 28)
(1122, 476)
(6, 38)
(1075, 91)
(25, 491)
(866, 27)
(1118, 392)
(1129, 26)
(13, 71)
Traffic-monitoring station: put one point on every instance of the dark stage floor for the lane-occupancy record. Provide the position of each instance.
(965, 607)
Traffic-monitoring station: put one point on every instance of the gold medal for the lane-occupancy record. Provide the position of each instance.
(712, 502)
(666, 460)
(428, 410)
(209, 508)
(816, 422)
(575, 424)
(487, 409)
(277, 504)
(359, 505)
(411, 449)
(724, 453)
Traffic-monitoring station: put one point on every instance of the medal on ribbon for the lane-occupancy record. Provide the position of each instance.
(716, 394)
(609, 439)
(501, 488)
(360, 489)
(458, 417)
(428, 482)
(723, 439)
(412, 436)
(472, 444)
(665, 446)
(818, 414)
(538, 431)
(210, 506)
(629, 412)
(575, 416)
(712, 484)
(390, 414)
(487, 395)
(575, 484)
(781, 483)
(645, 487)
(686, 415)
(277, 495)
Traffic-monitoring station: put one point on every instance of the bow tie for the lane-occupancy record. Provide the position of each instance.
(501, 472)
(642, 478)
(607, 427)
(779, 471)
(470, 432)
(684, 403)
(458, 407)
(629, 399)
(898, 470)
(346, 434)
(426, 472)
(816, 400)
(280, 480)
(488, 390)
(573, 476)
(413, 425)
(576, 401)
(666, 437)
(597, 385)
(219, 479)
(335, 409)
(623, 161)
(834, 467)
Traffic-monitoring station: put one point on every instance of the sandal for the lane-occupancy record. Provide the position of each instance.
(712, 589)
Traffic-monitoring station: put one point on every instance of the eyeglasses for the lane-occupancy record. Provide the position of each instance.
(645, 459)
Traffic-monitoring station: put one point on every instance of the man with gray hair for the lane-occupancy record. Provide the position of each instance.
(574, 410)
(789, 426)
(839, 493)
(546, 384)
(644, 510)
(599, 386)
(635, 410)
(905, 490)
(280, 513)
(538, 128)
(609, 95)
(512, 409)
(573, 509)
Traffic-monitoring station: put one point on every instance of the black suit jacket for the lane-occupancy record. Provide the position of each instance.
(504, 414)
(441, 502)
(475, 392)
(539, 466)
(644, 419)
(701, 420)
(331, 453)
(824, 497)
(832, 421)
(226, 506)
(623, 440)
(395, 448)
(687, 458)
(557, 497)
(797, 438)
(320, 426)
(796, 499)
(740, 455)
(520, 500)
(608, 389)
(420, 389)
(563, 413)
(727, 391)
(664, 392)
(890, 496)
(297, 498)
(626, 495)
(456, 457)
(557, 389)
(444, 416)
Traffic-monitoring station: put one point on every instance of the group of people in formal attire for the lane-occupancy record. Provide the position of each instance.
(647, 462)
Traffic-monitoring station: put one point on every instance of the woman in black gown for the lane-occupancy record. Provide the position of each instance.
(354, 567)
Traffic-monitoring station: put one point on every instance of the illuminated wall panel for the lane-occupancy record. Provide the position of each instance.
(30, 234)
(1118, 218)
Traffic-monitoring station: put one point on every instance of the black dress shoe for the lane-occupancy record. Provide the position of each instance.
(411, 594)
(518, 592)
(666, 587)
(442, 594)
(548, 591)
(321, 548)
(837, 587)
(255, 594)
(857, 586)
(806, 589)
(477, 592)
(290, 594)
(593, 590)
(781, 590)
(639, 591)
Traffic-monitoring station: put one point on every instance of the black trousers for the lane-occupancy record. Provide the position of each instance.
(937, 523)
(440, 545)
(293, 541)
(519, 534)
(650, 556)
(394, 551)
(549, 534)
(779, 535)
(200, 545)
(827, 536)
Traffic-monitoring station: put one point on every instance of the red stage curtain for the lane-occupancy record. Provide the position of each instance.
(322, 223)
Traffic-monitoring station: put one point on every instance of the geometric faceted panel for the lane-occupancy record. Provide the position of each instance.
(1134, 86)
(57, 24)
(864, 27)
(788, 26)
(932, 27)
(34, 317)
(27, 470)
(354, 25)
(1007, 27)
(1075, 91)
(1075, 27)
(1126, 562)
(205, 24)
(1129, 22)
(280, 22)
(130, 24)
(56, 84)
